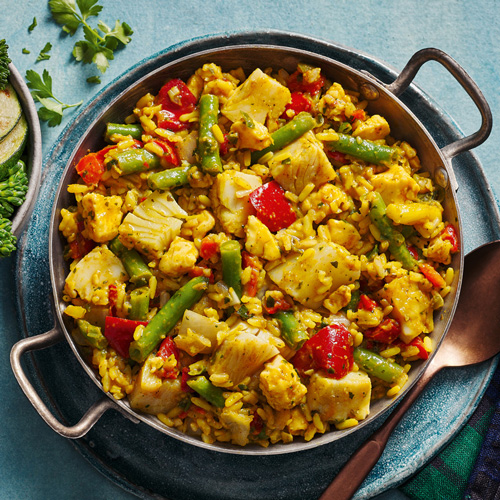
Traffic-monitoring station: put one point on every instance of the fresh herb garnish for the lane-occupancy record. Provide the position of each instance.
(52, 108)
(32, 26)
(44, 53)
(26, 51)
(99, 44)
(93, 79)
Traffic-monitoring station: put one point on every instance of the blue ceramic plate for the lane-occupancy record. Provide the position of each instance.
(152, 465)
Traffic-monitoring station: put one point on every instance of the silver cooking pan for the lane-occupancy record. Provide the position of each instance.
(383, 99)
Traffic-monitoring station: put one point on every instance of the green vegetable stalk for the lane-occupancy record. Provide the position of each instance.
(139, 273)
(230, 252)
(92, 334)
(132, 129)
(208, 146)
(397, 243)
(166, 318)
(139, 303)
(295, 128)
(208, 391)
(378, 366)
(167, 179)
(131, 161)
(363, 149)
(290, 329)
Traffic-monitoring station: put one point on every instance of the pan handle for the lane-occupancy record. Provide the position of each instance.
(408, 74)
(40, 342)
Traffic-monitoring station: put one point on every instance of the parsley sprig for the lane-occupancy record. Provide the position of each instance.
(52, 108)
(99, 44)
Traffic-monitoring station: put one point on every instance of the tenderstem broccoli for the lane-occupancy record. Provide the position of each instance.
(13, 189)
(7, 239)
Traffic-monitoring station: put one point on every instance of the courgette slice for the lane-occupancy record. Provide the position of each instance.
(12, 147)
(10, 110)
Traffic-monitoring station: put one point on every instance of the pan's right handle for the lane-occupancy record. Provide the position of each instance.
(408, 74)
(40, 342)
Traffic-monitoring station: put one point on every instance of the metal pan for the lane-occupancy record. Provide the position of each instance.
(383, 100)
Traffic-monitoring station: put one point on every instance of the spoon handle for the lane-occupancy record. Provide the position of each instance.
(364, 459)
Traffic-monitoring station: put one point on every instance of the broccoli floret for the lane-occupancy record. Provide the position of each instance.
(4, 64)
(13, 189)
(7, 239)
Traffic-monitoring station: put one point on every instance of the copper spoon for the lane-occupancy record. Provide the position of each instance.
(473, 337)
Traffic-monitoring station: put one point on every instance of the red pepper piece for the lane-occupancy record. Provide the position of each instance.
(254, 263)
(168, 348)
(330, 350)
(422, 352)
(120, 333)
(112, 297)
(171, 110)
(184, 378)
(432, 275)
(256, 425)
(416, 342)
(296, 84)
(366, 303)
(299, 102)
(224, 147)
(277, 305)
(80, 246)
(169, 152)
(90, 168)
(359, 114)
(202, 270)
(387, 331)
(337, 157)
(413, 252)
(271, 206)
(450, 233)
(208, 248)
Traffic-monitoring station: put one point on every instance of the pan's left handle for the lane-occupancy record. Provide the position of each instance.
(41, 342)
(431, 54)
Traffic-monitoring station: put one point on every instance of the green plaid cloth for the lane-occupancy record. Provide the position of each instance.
(454, 472)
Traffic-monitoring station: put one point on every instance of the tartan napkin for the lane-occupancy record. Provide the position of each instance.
(469, 467)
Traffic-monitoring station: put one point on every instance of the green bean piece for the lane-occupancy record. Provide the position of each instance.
(291, 332)
(139, 303)
(363, 149)
(138, 271)
(130, 161)
(353, 303)
(230, 253)
(295, 128)
(376, 365)
(92, 334)
(166, 318)
(397, 243)
(167, 179)
(208, 146)
(208, 391)
(133, 130)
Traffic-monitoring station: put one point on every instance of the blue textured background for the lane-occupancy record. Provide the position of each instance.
(35, 463)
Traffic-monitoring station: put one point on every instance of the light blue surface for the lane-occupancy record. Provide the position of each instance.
(35, 462)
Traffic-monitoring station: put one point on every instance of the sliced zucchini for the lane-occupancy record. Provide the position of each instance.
(10, 110)
(12, 147)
